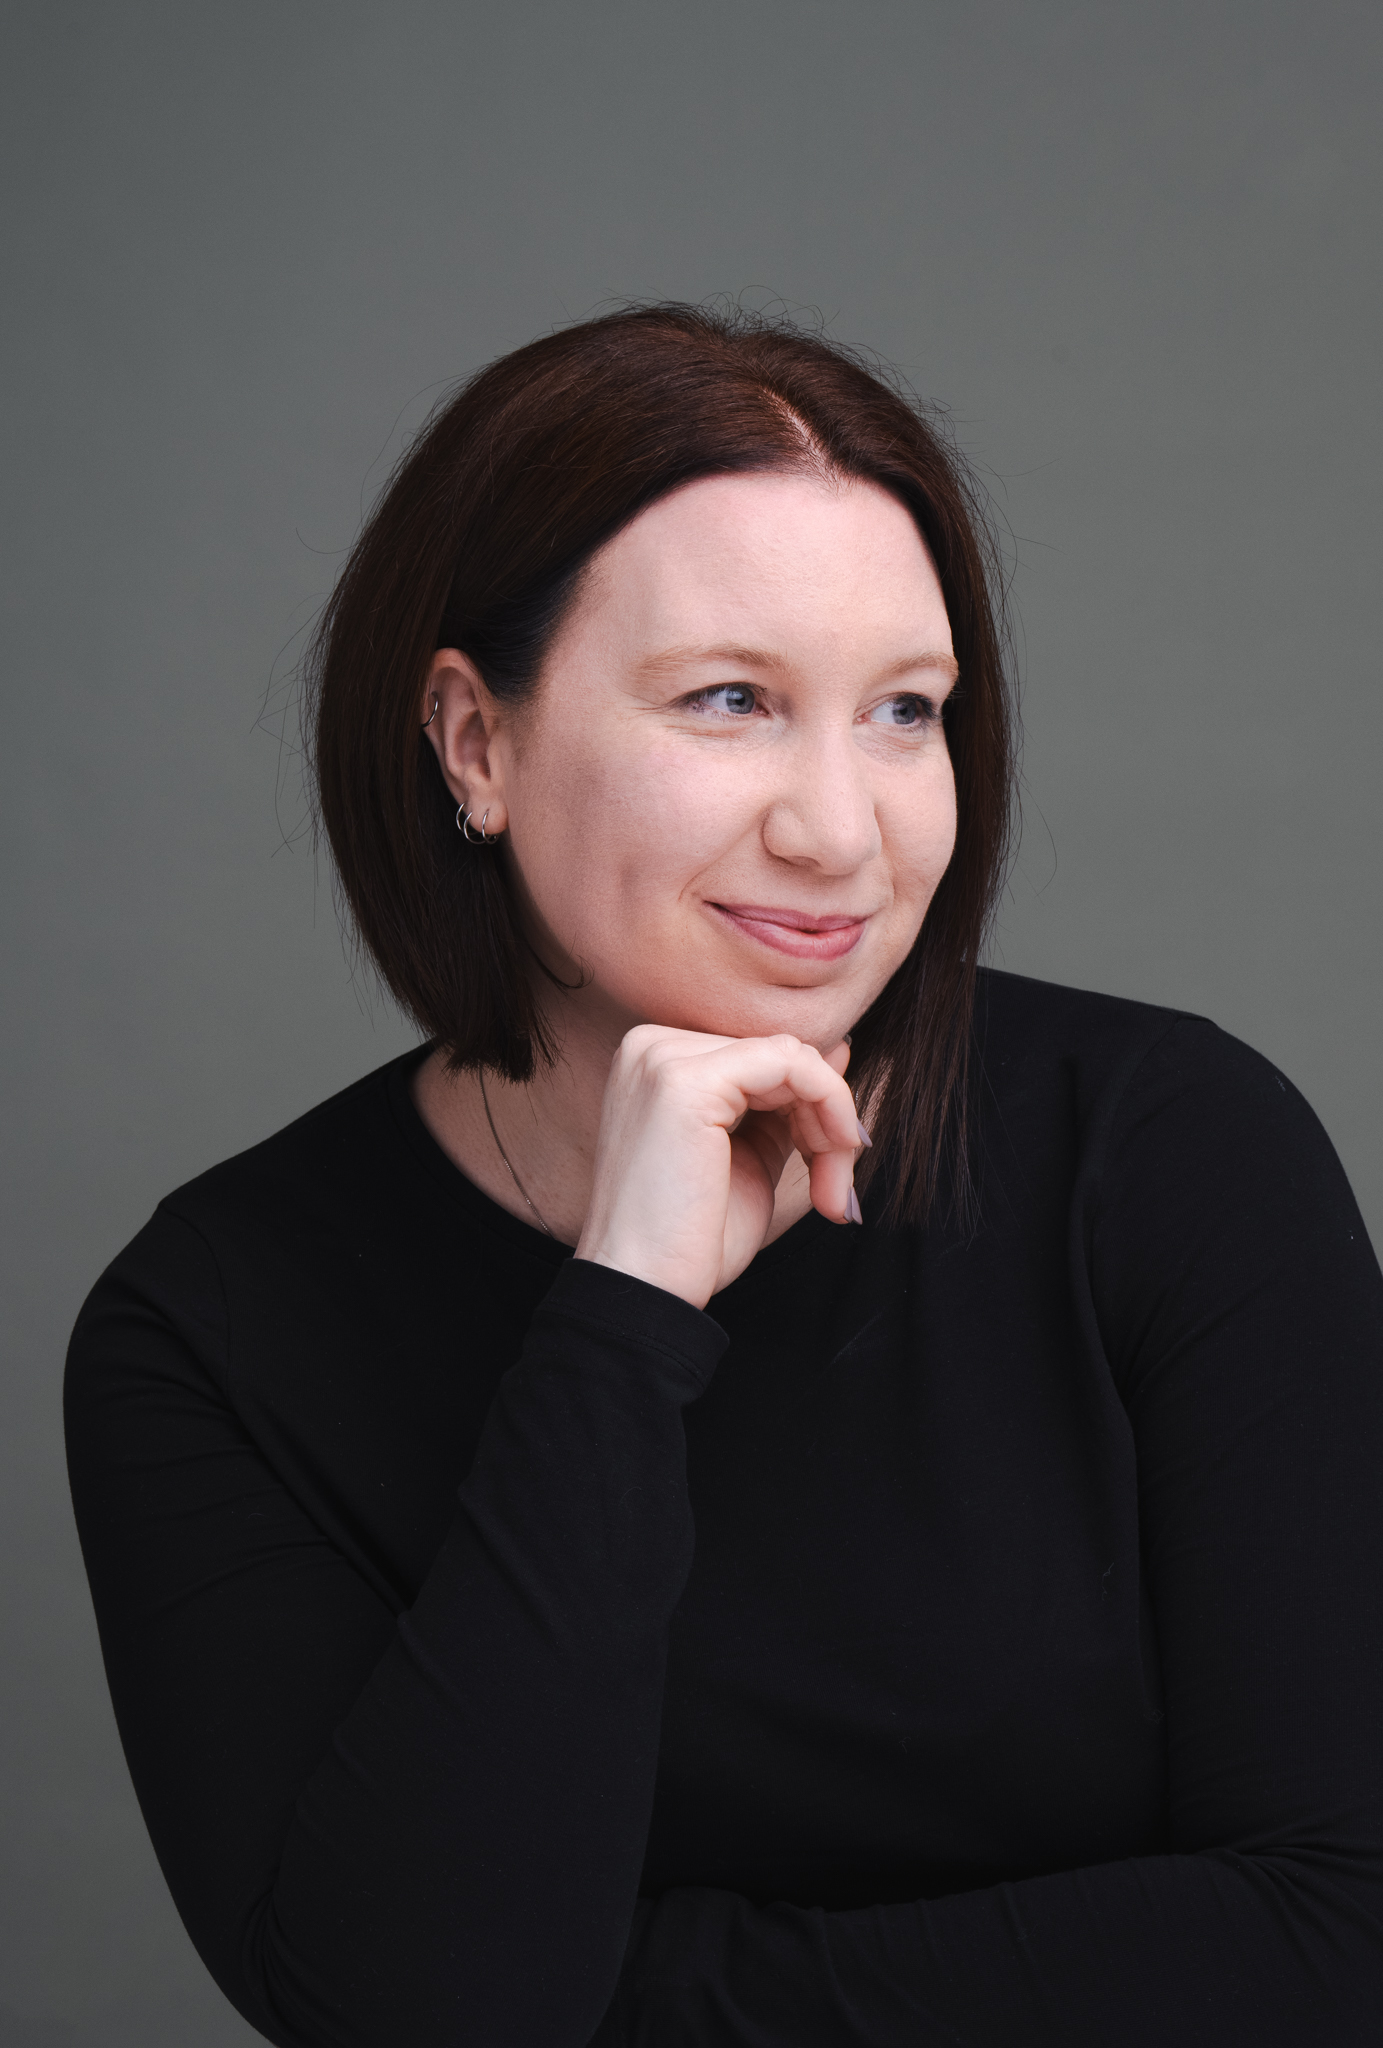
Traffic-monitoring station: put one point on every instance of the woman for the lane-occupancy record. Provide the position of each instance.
(915, 1590)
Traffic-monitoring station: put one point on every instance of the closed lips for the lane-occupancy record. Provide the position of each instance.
(799, 920)
(807, 934)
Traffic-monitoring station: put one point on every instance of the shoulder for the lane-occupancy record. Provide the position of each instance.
(1027, 1025)
(1181, 1135)
(1136, 1103)
(1098, 1049)
(1193, 1177)
(348, 1147)
(307, 1198)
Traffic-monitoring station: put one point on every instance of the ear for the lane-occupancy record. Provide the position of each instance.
(459, 718)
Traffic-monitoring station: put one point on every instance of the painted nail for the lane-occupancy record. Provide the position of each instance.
(865, 1138)
(852, 1208)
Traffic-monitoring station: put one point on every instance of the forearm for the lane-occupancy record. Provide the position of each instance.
(469, 1850)
(1206, 1950)
(427, 1831)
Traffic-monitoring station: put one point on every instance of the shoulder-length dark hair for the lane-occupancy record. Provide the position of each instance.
(479, 542)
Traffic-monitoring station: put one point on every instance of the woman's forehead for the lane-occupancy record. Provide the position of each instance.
(723, 560)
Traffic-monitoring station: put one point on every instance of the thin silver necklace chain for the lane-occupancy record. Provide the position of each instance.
(509, 1162)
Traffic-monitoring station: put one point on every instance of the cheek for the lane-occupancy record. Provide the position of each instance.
(598, 831)
(943, 839)
(923, 839)
(670, 817)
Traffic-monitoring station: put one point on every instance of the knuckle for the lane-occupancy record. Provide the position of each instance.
(644, 1049)
(661, 1067)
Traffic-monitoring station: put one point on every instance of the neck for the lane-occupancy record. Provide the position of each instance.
(548, 1127)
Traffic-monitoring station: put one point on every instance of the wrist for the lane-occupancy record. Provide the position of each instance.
(672, 1279)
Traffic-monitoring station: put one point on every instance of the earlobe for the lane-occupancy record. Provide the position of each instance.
(465, 825)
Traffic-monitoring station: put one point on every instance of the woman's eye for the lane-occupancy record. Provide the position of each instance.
(736, 698)
(904, 711)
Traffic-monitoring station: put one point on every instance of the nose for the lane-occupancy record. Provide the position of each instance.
(822, 814)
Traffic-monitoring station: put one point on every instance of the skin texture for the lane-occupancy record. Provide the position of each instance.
(740, 714)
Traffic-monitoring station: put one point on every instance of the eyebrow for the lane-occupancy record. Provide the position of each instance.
(671, 659)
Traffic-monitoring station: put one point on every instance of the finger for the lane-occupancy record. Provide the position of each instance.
(832, 1186)
(830, 1173)
(839, 1056)
(810, 1129)
(769, 1140)
(767, 1075)
(807, 1136)
(666, 1044)
(798, 1078)
(817, 1127)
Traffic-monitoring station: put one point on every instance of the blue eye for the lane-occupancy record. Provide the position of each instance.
(908, 712)
(736, 698)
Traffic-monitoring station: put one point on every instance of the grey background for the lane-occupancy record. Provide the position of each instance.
(1136, 249)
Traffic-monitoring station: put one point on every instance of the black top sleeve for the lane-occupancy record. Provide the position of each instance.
(1241, 1311)
(417, 1834)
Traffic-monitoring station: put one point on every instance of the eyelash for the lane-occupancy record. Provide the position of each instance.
(929, 714)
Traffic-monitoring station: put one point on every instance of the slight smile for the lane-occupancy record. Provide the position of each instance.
(802, 933)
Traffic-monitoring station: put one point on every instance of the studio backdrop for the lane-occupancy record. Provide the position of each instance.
(1133, 250)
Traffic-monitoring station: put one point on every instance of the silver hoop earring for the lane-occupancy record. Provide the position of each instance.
(463, 826)
(432, 713)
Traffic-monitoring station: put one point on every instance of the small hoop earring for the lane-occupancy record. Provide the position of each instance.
(432, 713)
(463, 826)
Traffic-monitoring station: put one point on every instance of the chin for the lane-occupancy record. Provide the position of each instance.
(818, 1016)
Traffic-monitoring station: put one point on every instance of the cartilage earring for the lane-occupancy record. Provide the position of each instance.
(432, 713)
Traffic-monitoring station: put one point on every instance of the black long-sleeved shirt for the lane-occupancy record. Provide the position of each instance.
(948, 1638)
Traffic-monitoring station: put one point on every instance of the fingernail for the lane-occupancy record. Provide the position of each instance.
(865, 1138)
(852, 1208)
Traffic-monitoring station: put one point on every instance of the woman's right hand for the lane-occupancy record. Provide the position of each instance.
(695, 1131)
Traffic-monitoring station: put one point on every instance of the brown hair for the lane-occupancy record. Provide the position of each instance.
(479, 542)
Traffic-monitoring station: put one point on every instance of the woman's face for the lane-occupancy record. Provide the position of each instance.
(731, 802)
